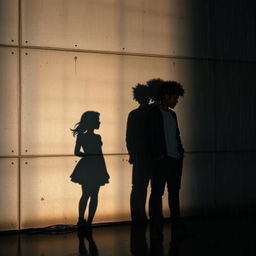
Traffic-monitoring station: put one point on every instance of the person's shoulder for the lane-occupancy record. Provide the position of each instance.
(134, 112)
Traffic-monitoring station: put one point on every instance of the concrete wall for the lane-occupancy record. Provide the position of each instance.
(60, 58)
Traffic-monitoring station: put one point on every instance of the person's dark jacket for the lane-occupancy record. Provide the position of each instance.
(136, 140)
(156, 135)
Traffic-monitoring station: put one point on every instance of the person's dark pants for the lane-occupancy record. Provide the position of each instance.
(140, 179)
(168, 171)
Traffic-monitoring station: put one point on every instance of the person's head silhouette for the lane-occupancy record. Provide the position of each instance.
(153, 86)
(141, 94)
(89, 121)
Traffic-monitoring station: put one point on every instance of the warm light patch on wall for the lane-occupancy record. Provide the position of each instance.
(140, 26)
(55, 84)
(8, 101)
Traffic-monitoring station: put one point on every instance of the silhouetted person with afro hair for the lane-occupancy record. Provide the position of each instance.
(138, 151)
(166, 151)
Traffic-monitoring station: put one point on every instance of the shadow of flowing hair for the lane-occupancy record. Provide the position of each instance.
(87, 121)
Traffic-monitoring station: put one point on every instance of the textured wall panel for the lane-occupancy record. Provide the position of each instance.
(9, 17)
(195, 111)
(9, 194)
(124, 26)
(198, 185)
(235, 106)
(8, 101)
(201, 28)
(47, 195)
(235, 182)
(230, 28)
(58, 87)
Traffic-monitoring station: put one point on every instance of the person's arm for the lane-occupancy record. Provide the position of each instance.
(78, 146)
(130, 138)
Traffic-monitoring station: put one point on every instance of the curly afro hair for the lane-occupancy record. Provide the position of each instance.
(140, 93)
(154, 85)
(170, 88)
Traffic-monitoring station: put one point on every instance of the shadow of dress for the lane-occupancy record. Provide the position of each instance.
(91, 169)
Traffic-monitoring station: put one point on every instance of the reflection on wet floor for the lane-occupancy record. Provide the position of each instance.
(222, 236)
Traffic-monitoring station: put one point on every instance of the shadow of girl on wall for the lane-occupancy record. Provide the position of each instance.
(90, 172)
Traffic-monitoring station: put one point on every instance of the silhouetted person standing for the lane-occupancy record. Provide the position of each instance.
(166, 151)
(138, 151)
(91, 170)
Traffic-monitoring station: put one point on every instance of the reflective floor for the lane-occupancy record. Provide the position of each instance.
(222, 236)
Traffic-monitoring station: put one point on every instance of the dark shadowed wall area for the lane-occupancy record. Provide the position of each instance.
(61, 58)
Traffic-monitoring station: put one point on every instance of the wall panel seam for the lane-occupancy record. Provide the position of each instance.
(19, 111)
(126, 154)
(133, 54)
